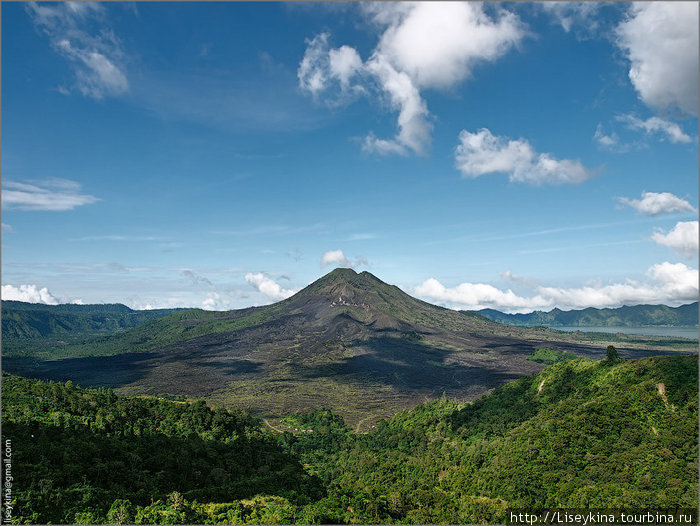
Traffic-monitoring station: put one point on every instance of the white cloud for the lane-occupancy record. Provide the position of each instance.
(334, 257)
(28, 293)
(437, 44)
(423, 45)
(329, 71)
(337, 258)
(7, 228)
(478, 296)
(362, 236)
(672, 284)
(268, 287)
(414, 127)
(574, 14)
(483, 153)
(97, 59)
(98, 76)
(313, 72)
(656, 124)
(609, 142)
(50, 195)
(214, 301)
(653, 203)
(169, 303)
(509, 276)
(344, 62)
(676, 278)
(661, 43)
(683, 238)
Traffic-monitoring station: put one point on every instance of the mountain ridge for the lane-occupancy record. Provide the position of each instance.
(625, 316)
(41, 323)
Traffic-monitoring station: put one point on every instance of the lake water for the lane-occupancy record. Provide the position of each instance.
(672, 332)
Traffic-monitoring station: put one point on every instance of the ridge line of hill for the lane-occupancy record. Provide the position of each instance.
(625, 316)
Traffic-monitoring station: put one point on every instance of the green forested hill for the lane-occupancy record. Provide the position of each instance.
(627, 316)
(78, 452)
(580, 434)
(34, 325)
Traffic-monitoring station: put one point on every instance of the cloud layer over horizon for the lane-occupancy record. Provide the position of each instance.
(668, 283)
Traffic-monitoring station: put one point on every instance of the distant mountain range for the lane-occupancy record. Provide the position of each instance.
(634, 316)
(348, 341)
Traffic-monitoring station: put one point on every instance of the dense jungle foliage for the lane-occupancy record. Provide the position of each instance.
(580, 434)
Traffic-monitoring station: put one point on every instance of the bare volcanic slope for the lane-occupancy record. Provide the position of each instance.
(348, 341)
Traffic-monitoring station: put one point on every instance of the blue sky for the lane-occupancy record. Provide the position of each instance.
(221, 155)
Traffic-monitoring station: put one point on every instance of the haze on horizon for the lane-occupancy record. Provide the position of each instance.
(518, 156)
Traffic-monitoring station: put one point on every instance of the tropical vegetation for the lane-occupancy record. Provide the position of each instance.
(580, 434)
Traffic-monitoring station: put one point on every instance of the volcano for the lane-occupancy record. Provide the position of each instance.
(348, 341)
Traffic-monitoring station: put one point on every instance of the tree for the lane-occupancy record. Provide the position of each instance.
(612, 354)
(121, 512)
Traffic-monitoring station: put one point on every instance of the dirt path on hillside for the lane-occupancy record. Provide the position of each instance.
(272, 427)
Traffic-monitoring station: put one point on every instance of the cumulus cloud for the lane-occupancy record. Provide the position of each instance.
(605, 141)
(611, 142)
(324, 70)
(214, 301)
(478, 296)
(50, 195)
(334, 257)
(438, 43)
(669, 283)
(676, 278)
(97, 57)
(660, 40)
(28, 293)
(414, 128)
(683, 238)
(337, 258)
(268, 287)
(423, 45)
(653, 203)
(483, 153)
(669, 129)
